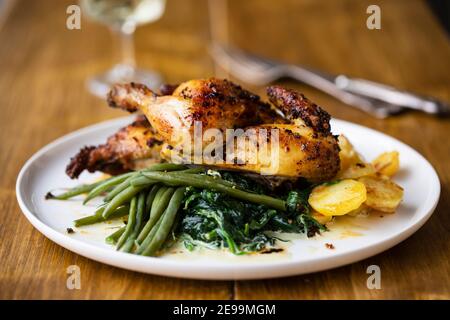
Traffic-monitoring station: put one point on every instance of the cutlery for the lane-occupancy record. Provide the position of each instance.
(374, 98)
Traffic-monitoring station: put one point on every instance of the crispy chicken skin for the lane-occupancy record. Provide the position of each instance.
(306, 147)
(296, 106)
(132, 147)
(215, 103)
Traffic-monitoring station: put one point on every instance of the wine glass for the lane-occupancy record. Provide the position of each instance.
(122, 17)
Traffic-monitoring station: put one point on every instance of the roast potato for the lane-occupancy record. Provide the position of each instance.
(387, 163)
(382, 193)
(357, 170)
(363, 210)
(322, 219)
(347, 153)
(337, 198)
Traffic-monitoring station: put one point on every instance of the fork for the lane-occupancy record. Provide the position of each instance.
(374, 98)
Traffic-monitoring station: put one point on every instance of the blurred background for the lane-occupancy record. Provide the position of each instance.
(330, 36)
(327, 35)
(44, 72)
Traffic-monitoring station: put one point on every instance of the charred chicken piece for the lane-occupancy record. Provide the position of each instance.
(133, 147)
(213, 102)
(306, 147)
(296, 106)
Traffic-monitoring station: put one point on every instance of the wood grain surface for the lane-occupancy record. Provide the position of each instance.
(43, 67)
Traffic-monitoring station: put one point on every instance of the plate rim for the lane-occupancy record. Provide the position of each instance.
(193, 270)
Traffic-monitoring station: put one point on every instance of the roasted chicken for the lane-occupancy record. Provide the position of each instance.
(133, 147)
(215, 103)
(306, 146)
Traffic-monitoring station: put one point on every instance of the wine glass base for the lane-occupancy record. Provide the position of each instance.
(101, 84)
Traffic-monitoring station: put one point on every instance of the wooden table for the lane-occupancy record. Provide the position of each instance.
(43, 67)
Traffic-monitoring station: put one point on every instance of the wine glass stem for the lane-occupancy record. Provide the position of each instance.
(127, 49)
(125, 37)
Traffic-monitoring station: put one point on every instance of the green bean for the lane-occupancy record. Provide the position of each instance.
(159, 205)
(130, 223)
(159, 194)
(193, 170)
(156, 167)
(144, 181)
(120, 187)
(148, 239)
(165, 167)
(112, 238)
(140, 213)
(140, 181)
(169, 178)
(91, 219)
(128, 245)
(151, 196)
(120, 199)
(166, 224)
(87, 188)
(207, 182)
(152, 218)
(108, 183)
(98, 216)
(73, 191)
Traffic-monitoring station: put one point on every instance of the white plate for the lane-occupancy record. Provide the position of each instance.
(353, 239)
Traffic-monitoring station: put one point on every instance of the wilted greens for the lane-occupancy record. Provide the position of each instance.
(217, 219)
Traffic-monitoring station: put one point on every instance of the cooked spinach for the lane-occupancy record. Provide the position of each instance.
(218, 220)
